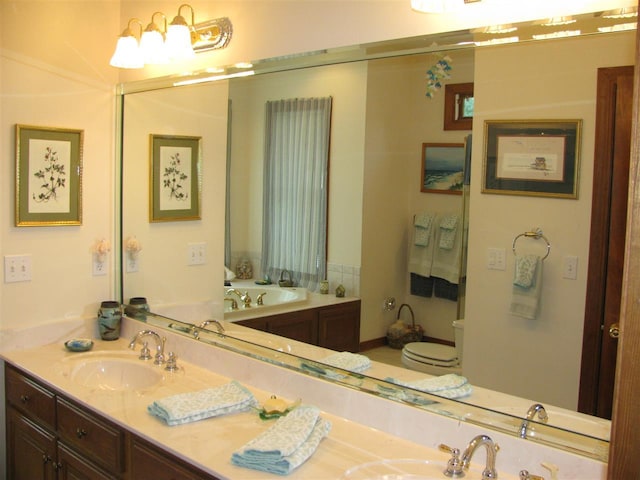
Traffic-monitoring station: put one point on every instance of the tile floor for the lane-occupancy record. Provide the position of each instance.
(385, 354)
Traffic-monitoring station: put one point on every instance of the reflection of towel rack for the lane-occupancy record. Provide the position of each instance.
(536, 235)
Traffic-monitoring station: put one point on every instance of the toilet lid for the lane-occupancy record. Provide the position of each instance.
(433, 353)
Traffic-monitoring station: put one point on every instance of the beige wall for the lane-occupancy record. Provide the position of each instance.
(163, 275)
(525, 82)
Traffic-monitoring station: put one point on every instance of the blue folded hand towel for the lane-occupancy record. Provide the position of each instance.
(285, 445)
(447, 386)
(211, 402)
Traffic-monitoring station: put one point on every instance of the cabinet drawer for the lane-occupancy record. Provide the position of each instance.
(90, 436)
(27, 396)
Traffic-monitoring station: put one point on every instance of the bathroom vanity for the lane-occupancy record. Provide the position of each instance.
(58, 424)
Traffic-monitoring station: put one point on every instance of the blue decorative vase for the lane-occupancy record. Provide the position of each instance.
(109, 319)
(137, 308)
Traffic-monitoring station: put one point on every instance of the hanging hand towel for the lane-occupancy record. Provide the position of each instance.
(525, 272)
(422, 229)
(448, 226)
(422, 245)
(525, 301)
(189, 407)
(287, 444)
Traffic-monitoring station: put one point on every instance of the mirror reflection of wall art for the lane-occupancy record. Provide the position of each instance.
(175, 178)
(442, 168)
(532, 157)
(48, 176)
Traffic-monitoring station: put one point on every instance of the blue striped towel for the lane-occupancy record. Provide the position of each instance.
(211, 402)
(285, 445)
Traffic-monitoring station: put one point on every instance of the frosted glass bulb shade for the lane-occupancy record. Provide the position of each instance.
(153, 48)
(178, 42)
(127, 53)
(436, 6)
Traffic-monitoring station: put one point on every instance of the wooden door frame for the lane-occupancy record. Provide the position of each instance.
(624, 461)
(599, 240)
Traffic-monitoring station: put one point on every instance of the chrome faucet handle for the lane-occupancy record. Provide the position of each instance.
(145, 353)
(172, 364)
(259, 299)
(455, 468)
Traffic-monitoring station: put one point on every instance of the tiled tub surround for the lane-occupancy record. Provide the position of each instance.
(391, 429)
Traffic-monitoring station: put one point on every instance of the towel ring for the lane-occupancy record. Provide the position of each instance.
(536, 235)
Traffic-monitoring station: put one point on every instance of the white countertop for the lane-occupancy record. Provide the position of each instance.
(209, 443)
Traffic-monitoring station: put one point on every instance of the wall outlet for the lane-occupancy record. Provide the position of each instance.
(17, 268)
(197, 253)
(99, 265)
(132, 264)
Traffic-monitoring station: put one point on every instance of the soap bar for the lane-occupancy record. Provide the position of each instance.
(79, 344)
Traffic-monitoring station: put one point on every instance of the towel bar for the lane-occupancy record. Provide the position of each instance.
(536, 235)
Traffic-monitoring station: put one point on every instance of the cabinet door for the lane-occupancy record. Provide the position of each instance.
(256, 323)
(31, 451)
(301, 325)
(29, 397)
(150, 463)
(339, 327)
(92, 436)
(73, 467)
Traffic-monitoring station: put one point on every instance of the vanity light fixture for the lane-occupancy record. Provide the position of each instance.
(152, 42)
(180, 40)
(557, 21)
(128, 53)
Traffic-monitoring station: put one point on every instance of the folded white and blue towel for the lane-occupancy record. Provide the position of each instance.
(422, 229)
(447, 386)
(285, 445)
(525, 300)
(448, 226)
(354, 362)
(211, 402)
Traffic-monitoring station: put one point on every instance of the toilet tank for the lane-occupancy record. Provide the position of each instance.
(458, 335)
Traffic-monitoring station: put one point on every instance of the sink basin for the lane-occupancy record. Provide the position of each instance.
(397, 469)
(114, 373)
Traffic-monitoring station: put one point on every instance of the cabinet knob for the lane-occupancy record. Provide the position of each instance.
(81, 432)
(45, 458)
(614, 331)
(24, 398)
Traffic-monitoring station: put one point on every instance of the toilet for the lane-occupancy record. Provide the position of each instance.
(435, 358)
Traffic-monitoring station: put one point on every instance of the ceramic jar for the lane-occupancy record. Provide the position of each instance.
(109, 319)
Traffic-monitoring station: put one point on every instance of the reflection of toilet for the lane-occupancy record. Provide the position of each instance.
(434, 358)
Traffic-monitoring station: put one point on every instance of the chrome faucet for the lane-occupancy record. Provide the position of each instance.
(244, 297)
(213, 321)
(259, 299)
(492, 450)
(457, 465)
(144, 353)
(535, 409)
(234, 304)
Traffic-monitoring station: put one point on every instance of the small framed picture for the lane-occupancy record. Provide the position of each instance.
(442, 168)
(532, 157)
(48, 176)
(175, 178)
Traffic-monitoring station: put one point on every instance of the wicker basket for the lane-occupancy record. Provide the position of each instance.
(399, 334)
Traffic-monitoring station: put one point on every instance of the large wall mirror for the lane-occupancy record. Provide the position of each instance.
(381, 117)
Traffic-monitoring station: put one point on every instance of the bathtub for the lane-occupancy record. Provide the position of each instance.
(273, 297)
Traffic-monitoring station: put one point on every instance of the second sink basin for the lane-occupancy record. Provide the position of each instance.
(115, 373)
(397, 469)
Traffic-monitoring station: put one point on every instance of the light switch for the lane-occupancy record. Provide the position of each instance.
(570, 267)
(17, 268)
(197, 254)
(496, 259)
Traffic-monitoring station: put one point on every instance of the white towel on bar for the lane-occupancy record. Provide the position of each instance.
(525, 302)
(421, 256)
(446, 261)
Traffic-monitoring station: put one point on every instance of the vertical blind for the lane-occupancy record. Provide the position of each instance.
(294, 235)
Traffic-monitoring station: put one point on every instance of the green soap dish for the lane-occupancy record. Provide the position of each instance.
(79, 344)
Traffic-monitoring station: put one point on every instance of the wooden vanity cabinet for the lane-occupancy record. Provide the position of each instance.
(336, 326)
(51, 437)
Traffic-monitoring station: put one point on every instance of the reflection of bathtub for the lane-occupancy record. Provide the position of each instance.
(273, 297)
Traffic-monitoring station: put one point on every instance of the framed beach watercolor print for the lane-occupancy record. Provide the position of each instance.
(442, 168)
(175, 178)
(532, 157)
(48, 176)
